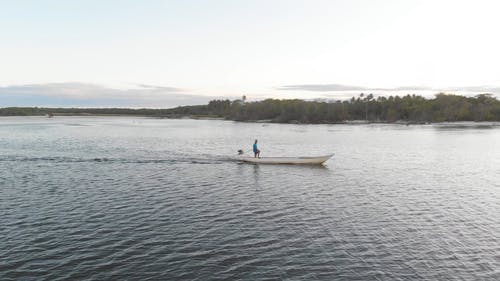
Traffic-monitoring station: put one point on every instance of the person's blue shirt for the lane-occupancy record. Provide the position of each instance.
(255, 148)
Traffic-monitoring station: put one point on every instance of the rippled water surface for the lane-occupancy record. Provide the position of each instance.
(135, 198)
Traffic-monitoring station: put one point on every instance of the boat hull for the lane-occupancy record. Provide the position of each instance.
(287, 160)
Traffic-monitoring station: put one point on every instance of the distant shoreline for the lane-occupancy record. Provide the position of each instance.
(207, 118)
(365, 109)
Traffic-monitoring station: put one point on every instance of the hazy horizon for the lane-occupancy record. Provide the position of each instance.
(169, 53)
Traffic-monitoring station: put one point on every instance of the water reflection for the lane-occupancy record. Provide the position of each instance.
(466, 125)
(256, 172)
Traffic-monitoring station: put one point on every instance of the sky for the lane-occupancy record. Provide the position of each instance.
(149, 53)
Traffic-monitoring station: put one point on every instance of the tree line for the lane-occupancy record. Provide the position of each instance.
(40, 111)
(409, 108)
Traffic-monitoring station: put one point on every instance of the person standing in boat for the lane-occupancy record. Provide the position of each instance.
(256, 151)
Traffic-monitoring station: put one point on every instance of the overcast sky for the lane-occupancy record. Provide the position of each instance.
(167, 53)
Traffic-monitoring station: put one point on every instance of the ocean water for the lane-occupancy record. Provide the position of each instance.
(120, 198)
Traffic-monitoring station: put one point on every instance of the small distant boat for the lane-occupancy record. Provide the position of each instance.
(287, 160)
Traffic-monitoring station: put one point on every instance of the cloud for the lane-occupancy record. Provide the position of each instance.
(348, 88)
(160, 88)
(92, 95)
(477, 89)
(321, 88)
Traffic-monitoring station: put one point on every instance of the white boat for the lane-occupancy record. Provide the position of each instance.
(287, 160)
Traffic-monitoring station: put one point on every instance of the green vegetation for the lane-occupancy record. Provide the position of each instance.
(32, 111)
(410, 108)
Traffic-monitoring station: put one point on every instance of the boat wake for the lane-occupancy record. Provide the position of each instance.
(62, 159)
